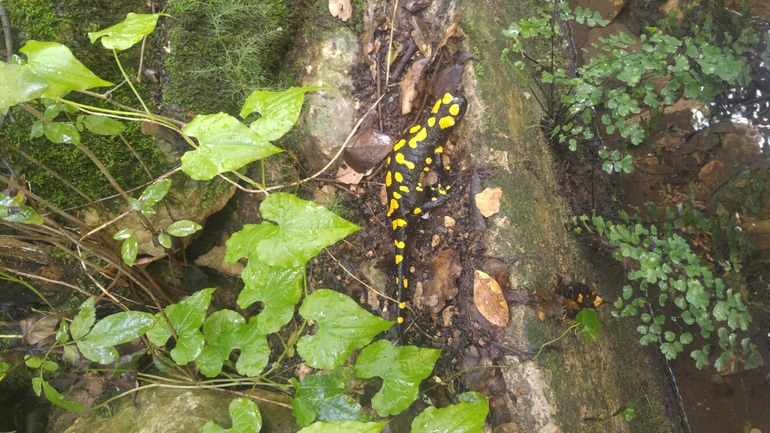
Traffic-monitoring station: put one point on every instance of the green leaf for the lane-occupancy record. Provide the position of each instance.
(226, 330)
(467, 416)
(84, 320)
(61, 133)
(4, 367)
(344, 427)
(279, 110)
(164, 240)
(62, 334)
(186, 316)
(155, 192)
(685, 338)
(125, 34)
(279, 289)
(56, 398)
(401, 368)
(18, 83)
(343, 326)
(129, 250)
(37, 385)
(246, 418)
(225, 145)
(588, 323)
(118, 328)
(323, 395)
(303, 229)
(123, 234)
(183, 228)
(103, 125)
(628, 413)
(13, 210)
(55, 64)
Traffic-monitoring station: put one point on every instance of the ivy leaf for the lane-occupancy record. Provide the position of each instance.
(183, 228)
(118, 328)
(279, 289)
(344, 427)
(56, 65)
(18, 83)
(85, 318)
(103, 125)
(56, 398)
(225, 145)
(125, 34)
(467, 416)
(129, 250)
(186, 316)
(13, 210)
(246, 418)
(164, 240)
(226, 330)
(588, 323)
(323, 395)
(343, 327)
(61, 133)
(279, 110)
(401, 368)
(303, 229)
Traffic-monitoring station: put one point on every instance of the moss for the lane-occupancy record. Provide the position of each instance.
(222, 50)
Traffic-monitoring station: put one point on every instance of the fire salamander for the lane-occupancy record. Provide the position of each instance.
(412, 157)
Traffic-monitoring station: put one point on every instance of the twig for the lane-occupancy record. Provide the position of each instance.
(390, 44)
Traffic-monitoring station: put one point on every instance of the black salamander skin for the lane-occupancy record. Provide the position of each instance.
(412, 157)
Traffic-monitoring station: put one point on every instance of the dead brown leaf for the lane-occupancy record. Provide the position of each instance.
(341, 9)
(413, 84)
(421, 36)
(348, 176)
(488, 201)
(451, 30)
(499, 271)
(446, 81)
(489, 299)
(39, 330)
(366, 149)
(445, 269)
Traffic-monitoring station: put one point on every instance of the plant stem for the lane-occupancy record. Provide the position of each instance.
(128, 80)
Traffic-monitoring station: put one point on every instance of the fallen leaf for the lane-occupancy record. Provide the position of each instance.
(489, 299)
(445, 269)
(450, 31)
(367, 148)
(499, 271)
(446, 81)
(413, 84)
(348, 176)
(421, 36)
(38, 330)
(488, 201)
(340, 9)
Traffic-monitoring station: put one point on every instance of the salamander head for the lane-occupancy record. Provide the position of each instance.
(452, 105)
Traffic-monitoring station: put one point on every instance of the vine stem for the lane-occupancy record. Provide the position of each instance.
(128, 80)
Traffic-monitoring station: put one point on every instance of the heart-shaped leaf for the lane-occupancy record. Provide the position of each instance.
(225, 145)
(246, 418)
(279, 110)
(125, 34)
(465, 417)
(186, 316)
(343, 327)
(56, 65)
(401, 369)
(99, 344)
(18, 83)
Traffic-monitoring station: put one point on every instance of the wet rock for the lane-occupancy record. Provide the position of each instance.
(331, 113)
(215, 259)
(609, 9)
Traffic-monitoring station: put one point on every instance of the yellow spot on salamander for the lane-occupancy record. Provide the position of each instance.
(396, 195)
(454, 109)
(428, 160)
(399, 257)
(399, 144)
(400, 159)
(447, 98)
(399, 177)
(406, 283)
(404, 188)
(446, 122)
(400, 320)
(399, 223)
(439, 149)
(396, 281)
(389, 178)
(426, 168)
(399, 244)
(418, 138)
(387, 161)
(418, 188)
(393, 206)
(417, 211)
(414, 128)
(436, 106)
(402, 305)
(431, 122)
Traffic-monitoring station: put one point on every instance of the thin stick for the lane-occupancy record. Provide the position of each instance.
(390, 44)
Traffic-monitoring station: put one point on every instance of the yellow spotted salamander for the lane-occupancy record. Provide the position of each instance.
(412, 157)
